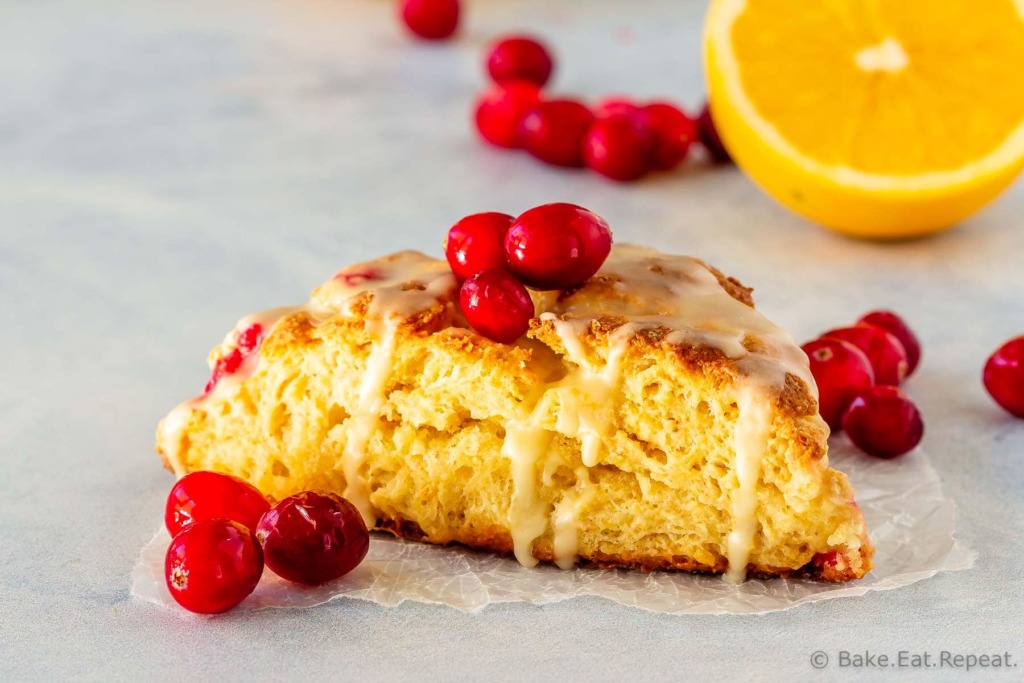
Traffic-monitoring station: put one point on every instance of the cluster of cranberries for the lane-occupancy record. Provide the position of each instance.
(858, 371)
(225, 530)
(618, 138)
(496, 257)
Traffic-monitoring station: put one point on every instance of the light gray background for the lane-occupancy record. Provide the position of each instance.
(166, 167)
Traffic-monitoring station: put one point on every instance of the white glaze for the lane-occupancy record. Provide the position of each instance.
(750, 443)
(366, 418)
(525, 442)
(677, 294)
(586, 393)
(565, 521)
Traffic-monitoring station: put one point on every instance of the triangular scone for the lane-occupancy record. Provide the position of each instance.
(650, 419)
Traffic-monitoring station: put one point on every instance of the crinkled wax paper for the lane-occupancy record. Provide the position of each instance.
(909, 519)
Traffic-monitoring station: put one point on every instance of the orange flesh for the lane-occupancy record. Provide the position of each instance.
(958, 96)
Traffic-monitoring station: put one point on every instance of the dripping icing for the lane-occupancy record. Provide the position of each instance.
(750, 444)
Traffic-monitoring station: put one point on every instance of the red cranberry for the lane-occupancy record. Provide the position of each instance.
(553, 132)
(883, 422)
(358, 277)
(840, 370)
(888, 359)
(557, 246)
(614, 105)
(210, 495)
(496, 305)
(827, 560)
(227, 364)
(709, 137)
(520, 58)
(477, 243)
(431, 19)
(213, 565)
(313, 537)
(617, 147)
(250, 338)
(673, 133)
(246, 343)
(1004, 376)
(501, 110)
(895, 325)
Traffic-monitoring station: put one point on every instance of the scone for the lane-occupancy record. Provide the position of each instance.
(651, 419)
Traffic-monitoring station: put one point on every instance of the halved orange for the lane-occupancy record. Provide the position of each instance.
(880, 119)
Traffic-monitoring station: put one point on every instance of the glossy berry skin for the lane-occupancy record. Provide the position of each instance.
(884, 350)
(897, 327)
(883, 422)
(554, 130)
(709, 137)
(500, 112)
(496, 305)
(246, 343)
(213, 565)
(211, 495)
(841, 371)
(477, 243)
(430, 19)
(557, 246)
(672, 134)
(313, 537)
(615, 105)
(617, 147)
(1004, 376)
(520, 58)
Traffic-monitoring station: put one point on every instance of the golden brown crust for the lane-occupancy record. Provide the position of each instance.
(794, 400)
(825, 567)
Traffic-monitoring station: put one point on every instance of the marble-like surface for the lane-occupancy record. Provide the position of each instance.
(166, 167)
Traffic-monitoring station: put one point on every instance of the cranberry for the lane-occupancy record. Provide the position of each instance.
(313, 537)
(894, 325)
(247, 342)
(673, 132)
(840, 370)
(250, 338)
(520, 58)
(618, 147)
(557, 246)
(883, 422)
(616, 104)
(358, 277)
(888, 359)
(496, 305)
(1004, 376)
(553, 131)
(827, 560)
(431, 19)
(210, 495)
(501, 110)
(709, 137)
(227, 364)
(212, 565)
(477, 243)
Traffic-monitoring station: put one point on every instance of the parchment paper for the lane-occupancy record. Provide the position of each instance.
(909, 519)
